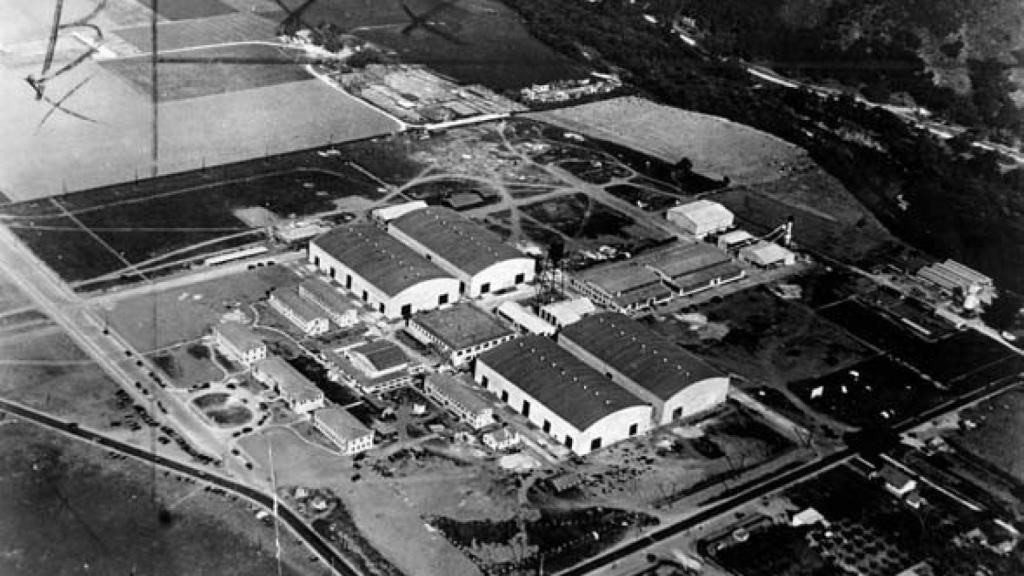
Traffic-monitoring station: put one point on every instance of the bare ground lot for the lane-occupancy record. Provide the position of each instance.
(716, 146)
(766, 338)
(998, 419)
(69, 508)
(208, 71)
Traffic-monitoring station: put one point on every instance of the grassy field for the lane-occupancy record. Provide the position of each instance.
(233, 27)
(72, 154)
(998, 419)
(207, 71)
(767, 338)
(185, 314)
(188, 365)
(187, 9)
(715, 146)
(101, 513)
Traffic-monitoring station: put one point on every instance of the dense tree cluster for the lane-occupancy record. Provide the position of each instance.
(962, 204)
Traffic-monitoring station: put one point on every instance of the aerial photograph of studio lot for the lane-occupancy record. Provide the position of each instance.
(416, 288)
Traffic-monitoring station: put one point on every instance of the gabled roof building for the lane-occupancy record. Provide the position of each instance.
(564, 397)
(461, 332)
(674, 382)
(384, 273)
(481, 261)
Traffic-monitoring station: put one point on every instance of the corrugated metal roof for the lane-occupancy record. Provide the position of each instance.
(703, 211)
(378, 257)
(467, 245)
(644, 357)
(559, 380)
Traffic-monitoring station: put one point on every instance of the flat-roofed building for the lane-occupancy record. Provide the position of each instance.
(377, 358)
(691, 268)
(240, 342)
(336, 306)
(384, 273)
(461, 332)
(463, 400)
(346, 431)
(623, 286)
(567, 312)
(732, 241)
(567, 399)
(481, 261)
(676, 383)
(340, 368)
(308, 318)
(701, 218)
(523, 319)
(767, 255)
(295, 389)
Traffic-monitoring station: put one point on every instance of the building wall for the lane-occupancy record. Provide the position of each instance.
(610, 429)
(594, 293)
(349, 446)
(422, 296)
(309, 326)
(458, 357)
(692, 399)
(247, 357)
(499, 275)
(699, 228)
(342, 318)
(475, 418)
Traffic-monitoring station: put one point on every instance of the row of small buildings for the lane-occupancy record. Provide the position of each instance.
(419, 258)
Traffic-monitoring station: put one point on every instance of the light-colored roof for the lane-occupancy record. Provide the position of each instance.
(558, 380)
(766, 252)
(239, 335)
(289, 297)
(620, 276)
(964, 271)
(703, 211)
(653, 362)
(523, 317)
(342, 423)
(465, 244)
(291, 382)
(735, 237)
(568, 311)
(389, 213)
(378, 257)
(458, 391)
(462, 326)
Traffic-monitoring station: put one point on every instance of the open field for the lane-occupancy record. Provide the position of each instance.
(67, 153)
(826, 218)
(492, 47)
(207, 71)
(31, 21)
(238, 26)
(101, 512)
(765, 338)
(715, 146)
(185, 314)
(185, 9)
(998, 419)
(188, 365)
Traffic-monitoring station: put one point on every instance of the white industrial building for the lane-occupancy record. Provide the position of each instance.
(465, 249)
(465, 402)
(346, 431)
(307, 317)
(701, 218)
(388, 213)
(767, 255)
(240, 342)
(523, 319)
(568, 400)
(567, 312)
(381, 271)
(338, 308)
(296, 390)
(732, 241)
(674, 382)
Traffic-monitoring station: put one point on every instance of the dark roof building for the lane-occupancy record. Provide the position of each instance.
(677, 383)
(562, 395)
(460, 332)
(381, 271)
(465, 249)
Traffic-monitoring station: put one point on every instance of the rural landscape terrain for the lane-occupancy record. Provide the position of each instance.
(446, 287)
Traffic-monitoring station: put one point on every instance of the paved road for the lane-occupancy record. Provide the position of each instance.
(285, 514)
(764, 487)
